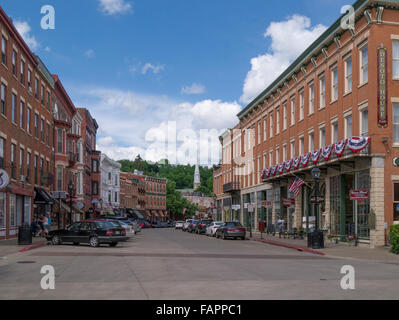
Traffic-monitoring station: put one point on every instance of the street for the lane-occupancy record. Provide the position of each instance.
(168, 264)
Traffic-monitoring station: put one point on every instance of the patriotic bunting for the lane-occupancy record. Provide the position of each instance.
(274, 170)
(297, 162)
(340, 147)
(316, 156)
(326, 152)
(281, 168)
(305, 159)
(357, 144)
(288, 165)
(265, 174)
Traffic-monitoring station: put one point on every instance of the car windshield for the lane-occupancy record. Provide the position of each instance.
(195, 221)
(106, 224)
(233, 224)
(218, 223)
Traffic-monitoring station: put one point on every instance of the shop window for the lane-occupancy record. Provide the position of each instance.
(396, 202)
(13, 211)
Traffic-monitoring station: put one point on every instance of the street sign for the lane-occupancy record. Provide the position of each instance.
(4, 179)
(59, 194)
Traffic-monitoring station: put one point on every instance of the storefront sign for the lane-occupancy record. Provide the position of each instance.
(4, 179)
(382, 87)
(235, 207)
(319, 199)
(359, 195)
(266, 204)
(288, 202)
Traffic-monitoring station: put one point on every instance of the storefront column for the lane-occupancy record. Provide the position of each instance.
(297, 223)
(326, 225)
(377, 236)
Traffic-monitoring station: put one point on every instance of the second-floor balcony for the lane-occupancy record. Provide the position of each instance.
(231, 187)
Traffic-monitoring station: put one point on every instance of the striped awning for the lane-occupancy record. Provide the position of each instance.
(161, 214)
(148, 213)
(155, 214)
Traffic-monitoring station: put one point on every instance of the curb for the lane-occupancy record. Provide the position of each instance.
(33, 246)
(289, 246)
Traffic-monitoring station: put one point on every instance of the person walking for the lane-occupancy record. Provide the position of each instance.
(40, 225)
(46, 225)
(280, 224)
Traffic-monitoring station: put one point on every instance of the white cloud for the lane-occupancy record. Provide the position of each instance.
(195, 88)
(90, 53)
(24, 30)
(289, 39)
(150, 67)
(47, 49)
(113, 7)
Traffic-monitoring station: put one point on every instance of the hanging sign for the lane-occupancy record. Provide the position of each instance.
(4, 179)
(382, 87)
(266, 204)
(288, 202)
(359, 195)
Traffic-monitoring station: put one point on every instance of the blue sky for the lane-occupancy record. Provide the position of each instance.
(139, 64)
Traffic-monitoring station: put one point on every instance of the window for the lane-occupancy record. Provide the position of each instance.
(28, 120)
(322, 92)
(259, 132)
(285, 116)
(2, 209)
(292, 111)
(48, 100)
(22, 72)
(364, 64)
(277, 155)
(322, 137)
(264, 129)
(311, 99)
(3, 51)
(21, 113)
(42, 130)
(95, 166)
(48, 135)
(348, 127)
(277, 121)
(348, 75)
(21, 160)
(301, 105)
(41, 170)
(2, 146)
(271, 158)
(59, 178)
(334, 84)
(59, 141)
(28, 155)
(292, 149)
(271, 125)
(95, 188)
(364, 125)
(30, 80)
(14, 63)
(3, 99)
(116, 196)
(396, 123)
(42, 95)
(301, 146)
(13, 111)
(36, 88)
(311, 142)
(395, 204)
(395, 55)
(334, 129)
(36, 125)
(13, 165)
(284, 152)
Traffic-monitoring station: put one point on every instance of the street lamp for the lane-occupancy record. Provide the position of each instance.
(316, 238)
(70, 190)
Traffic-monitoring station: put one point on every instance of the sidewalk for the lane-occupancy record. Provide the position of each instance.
(8, 247)
(332, 250)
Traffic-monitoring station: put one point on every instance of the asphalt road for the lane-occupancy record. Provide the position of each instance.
(172, 265)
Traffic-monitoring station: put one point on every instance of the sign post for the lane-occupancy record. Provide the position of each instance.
(250, 211)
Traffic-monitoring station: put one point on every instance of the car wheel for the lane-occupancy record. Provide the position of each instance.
(56, 240)
(94, 242)
(113, 244)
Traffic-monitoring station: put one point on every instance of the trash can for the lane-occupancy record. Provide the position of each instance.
(316, 240)
(25, 235)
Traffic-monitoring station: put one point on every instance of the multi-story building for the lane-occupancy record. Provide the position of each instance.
(128, 192)
(91, 161)
(335, 108)
(156, 198)
(26, 158)
(110, 183)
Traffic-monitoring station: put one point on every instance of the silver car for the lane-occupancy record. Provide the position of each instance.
(211, 229)
(186, 224)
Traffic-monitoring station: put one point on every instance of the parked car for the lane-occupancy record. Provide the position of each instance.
(125, 220)
(95, 233)
(129, 228)
(211, 229)
(202, 225)
(179, 225)
(186, 224)
(192, 226)
(231, 230)
(156, 224)
(144, 224)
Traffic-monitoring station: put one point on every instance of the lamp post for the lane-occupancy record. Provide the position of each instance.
(317, 236)
(70, 190)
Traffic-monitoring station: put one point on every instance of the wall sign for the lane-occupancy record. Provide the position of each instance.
(382, 87)
(4, 179)
(266, 204)
(288, 202)
(359, 195)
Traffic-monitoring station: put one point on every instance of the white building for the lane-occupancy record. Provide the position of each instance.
(110, 183)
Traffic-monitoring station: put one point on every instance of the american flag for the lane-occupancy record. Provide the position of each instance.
(296, 186)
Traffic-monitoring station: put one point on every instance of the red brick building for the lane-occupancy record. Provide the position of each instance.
(156, 198)
(25, 132)
(335, 108)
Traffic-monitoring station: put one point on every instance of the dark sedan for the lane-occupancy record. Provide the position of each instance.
(92, 232)
(202, 225)
(192, 226)
(231, 230)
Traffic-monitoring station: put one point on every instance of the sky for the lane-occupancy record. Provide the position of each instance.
(164, 78)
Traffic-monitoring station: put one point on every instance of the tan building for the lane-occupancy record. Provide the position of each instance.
(335, 108)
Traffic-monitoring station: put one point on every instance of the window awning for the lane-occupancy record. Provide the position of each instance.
(138, 214)
(43, 197)
(161, 214)
(155, 214)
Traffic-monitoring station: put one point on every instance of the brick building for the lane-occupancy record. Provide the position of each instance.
(133, 194)
(25, 132)
(91, 162)
(156, 198)
(335, 108)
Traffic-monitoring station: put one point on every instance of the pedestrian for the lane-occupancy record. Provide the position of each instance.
(280, 224)
(46, 224)
(40, 225)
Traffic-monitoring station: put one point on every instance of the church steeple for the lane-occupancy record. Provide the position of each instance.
(197, 177)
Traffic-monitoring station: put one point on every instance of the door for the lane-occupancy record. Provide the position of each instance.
(84, 232)
(71, 234)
